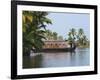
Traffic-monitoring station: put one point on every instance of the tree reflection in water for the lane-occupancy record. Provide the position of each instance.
(32, 62)
(81, 57)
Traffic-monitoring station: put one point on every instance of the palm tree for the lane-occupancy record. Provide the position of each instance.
(73, 33)
(60, 38)
(84, 40)
(48, 35)
(26, 19)
(72, 37)
(33, 22)
(33, 37)
(80, 36)
(54, 35)
(80, 33)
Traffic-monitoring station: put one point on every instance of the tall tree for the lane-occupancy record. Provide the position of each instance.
(33, 22)
(60, 38)
(72, 37)
(73, 33)
(82, 39)
(80, 33)
(48, 34)
(54, 35)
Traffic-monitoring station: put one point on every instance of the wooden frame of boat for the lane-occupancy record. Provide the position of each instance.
(56, 46)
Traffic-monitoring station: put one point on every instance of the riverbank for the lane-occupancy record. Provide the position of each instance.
(82, 46)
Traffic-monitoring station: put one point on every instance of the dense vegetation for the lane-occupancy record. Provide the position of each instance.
(34, 24)
(78, 38)
(49, 35)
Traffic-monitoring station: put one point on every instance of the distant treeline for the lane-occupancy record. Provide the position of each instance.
(78, 37)
(74, 37)
(50, 35)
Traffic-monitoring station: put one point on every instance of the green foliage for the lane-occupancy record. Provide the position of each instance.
(55, 35)
(78, 37)
(60, 38)
(48, 35)
(72, 36)
(82, 39)
(52, 35)
(34, 29)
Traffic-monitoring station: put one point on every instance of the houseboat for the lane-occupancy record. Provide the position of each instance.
(56, 46)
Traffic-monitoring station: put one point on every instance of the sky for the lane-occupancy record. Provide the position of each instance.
(63, 22)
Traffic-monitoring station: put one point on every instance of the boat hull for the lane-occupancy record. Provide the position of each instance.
(55, 50)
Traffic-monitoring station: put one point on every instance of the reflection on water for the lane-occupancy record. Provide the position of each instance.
(81, 57)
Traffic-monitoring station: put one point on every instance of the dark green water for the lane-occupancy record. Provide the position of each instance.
(81, 57)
